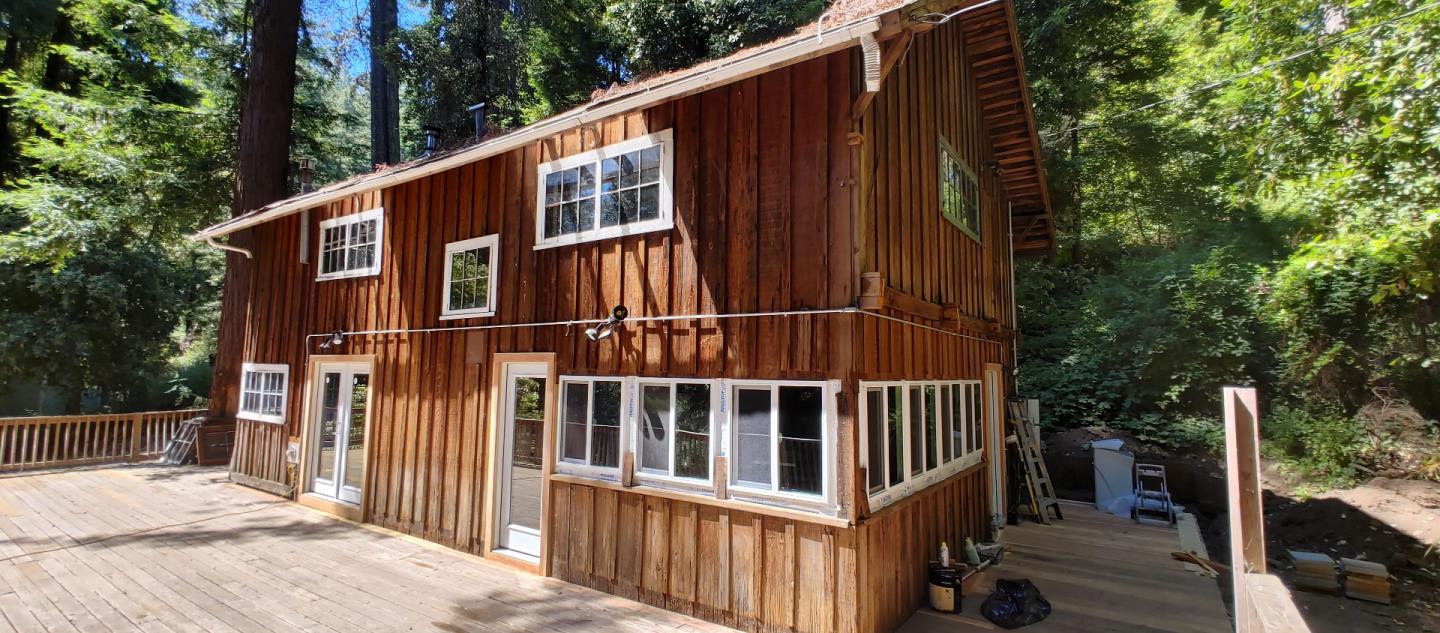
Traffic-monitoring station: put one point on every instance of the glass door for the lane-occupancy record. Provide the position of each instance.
(522, 443)
(337, 458)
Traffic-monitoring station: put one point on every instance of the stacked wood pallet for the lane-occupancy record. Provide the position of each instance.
(1315, 572)
(1365, 580)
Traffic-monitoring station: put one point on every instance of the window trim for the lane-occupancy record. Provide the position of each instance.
(586, 469)
(492, 242)
(825, 501)
(671, 480)
(266, 368)
(377, 214)
(969, 456)
(947, 149)
(666, 221)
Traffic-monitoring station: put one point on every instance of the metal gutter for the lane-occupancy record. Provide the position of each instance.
(733, 70)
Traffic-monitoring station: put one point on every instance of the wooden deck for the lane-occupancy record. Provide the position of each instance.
(1100, 573)
(178, 549)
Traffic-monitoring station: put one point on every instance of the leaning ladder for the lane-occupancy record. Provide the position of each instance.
(1037, 476)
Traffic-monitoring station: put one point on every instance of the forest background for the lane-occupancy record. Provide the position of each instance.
(1246, 191)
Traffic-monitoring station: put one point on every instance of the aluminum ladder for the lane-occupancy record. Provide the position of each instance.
(1037, 476)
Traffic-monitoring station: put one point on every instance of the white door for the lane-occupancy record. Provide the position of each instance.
(337, 453)
(522, 441)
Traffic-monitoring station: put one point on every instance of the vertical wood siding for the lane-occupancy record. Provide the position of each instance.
(764, 188)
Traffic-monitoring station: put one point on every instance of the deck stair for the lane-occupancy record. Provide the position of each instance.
(1043, 499)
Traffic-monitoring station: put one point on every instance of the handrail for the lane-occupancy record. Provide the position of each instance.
(53, 441)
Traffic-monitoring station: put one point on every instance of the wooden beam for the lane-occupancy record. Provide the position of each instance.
(892, 56)
(1247, 517)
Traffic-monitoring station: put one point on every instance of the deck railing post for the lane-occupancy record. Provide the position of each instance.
(136, 421)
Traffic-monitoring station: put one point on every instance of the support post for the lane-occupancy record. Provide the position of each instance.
(1247, 518)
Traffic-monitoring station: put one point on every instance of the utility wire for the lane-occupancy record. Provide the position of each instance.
(1253, 71)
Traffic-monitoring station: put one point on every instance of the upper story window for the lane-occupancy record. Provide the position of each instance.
(620, 189)
(470, 278)
(350, 245)
(262, 392)
(917, 433)
(959, 191)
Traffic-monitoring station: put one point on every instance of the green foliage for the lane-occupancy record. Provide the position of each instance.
(1317, 442)
(661, 35)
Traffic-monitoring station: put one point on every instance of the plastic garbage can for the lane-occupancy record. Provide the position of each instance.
(1114, 476)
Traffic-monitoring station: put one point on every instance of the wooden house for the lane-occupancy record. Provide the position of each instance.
(811, 243)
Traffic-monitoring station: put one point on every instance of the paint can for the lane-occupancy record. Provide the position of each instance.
(944, 588)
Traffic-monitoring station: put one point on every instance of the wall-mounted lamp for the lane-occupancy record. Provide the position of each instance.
(606, 328)
(994, 167)
(337, 337)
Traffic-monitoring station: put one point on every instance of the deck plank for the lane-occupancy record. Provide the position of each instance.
(155, 548)
(1101, 574)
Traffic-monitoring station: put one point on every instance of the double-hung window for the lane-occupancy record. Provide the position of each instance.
(916, 433)
(675, 432)
(781, 439)
(470, 278)
(959, 191)
(620, 189)
(351, 245)
(591, 434)
(262, 392)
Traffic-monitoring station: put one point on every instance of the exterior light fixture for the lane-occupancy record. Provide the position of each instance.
(337, 337)
(606, 328)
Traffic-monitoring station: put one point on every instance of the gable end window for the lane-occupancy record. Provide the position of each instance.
(470, 278)
(620, 189)
(350, 245)
(959, 192)
(263, 392)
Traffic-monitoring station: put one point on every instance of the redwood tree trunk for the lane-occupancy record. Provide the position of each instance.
(384, 88)
(263, 157)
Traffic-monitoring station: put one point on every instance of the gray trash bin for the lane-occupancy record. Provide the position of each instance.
(1114, 476)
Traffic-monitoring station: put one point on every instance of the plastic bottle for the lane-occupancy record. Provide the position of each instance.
(972, 556)
(944, 554)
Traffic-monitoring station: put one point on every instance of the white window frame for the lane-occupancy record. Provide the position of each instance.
(377, 214)
(909, 484)
(948, 151)
(264, 368)
(585, 468)
(670, 479)
(825, 500)
(666, 221)
(491, 242)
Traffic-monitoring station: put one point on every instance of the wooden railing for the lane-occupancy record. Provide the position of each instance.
(71, 440)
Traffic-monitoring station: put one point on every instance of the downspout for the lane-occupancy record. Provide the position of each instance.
(870, 52)
(1014, 305)
(226, 247)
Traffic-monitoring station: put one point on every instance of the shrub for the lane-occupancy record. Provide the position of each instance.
(1320, 442)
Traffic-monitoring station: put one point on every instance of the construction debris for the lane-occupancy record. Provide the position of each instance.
(1365, 580)
(1315, 572)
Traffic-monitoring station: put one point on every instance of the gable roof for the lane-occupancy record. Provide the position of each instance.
(996, 60)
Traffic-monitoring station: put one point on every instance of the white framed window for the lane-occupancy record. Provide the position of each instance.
(959, 191)
(263, 392)
(675, 433)
(916, 433)
(470, 267)
(781, 436)
(352, 245)
(620, 189)
(592, 433)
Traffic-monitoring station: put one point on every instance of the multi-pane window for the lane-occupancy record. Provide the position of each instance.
(917, 433)
(780, 439)
(470, 277)
(591, 410)
(262, 392)
(621, 189)
(959, 191)
(675, 431)
(350, 246)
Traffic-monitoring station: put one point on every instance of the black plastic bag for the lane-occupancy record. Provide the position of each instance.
(1014, 604)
